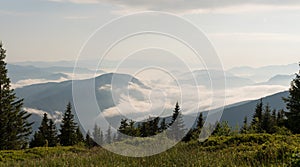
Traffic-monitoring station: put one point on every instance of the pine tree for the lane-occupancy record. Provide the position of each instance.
(79, 136)
(163, 125)
(217, 130)
(293, 105)
(14, 127)
(122, 131)
(131, 131)
(46, 135)
(68, 128)
(257, 118)
(108, 135)
(244, 129)
(274, 118)
(267, 120)
(153, 126)
(200, 122)
(144, 129)
(37, 140)
(222, 129)
(40, 137)
(98, 135)
(52, 134)
(177, 127)
(89, 142)
(280, 120)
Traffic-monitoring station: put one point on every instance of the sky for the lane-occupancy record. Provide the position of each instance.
(244, 33)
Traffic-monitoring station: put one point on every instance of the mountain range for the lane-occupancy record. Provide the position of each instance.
(53, 97)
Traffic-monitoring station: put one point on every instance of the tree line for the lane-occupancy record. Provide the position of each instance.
(15, 129)
(47, 135)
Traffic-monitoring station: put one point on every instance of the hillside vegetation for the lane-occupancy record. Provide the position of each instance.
(237, 150)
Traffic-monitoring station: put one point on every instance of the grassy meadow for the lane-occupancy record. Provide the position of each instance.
(238, 150)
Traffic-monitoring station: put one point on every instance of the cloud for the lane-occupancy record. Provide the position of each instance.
(159, 101)
(156, 103)
(14, 13)
(207, 6)
(195, 6)
(252, 92)
(106, 87)
(56, 116)
(77, 17)
(77, 1)
(256, 36)
(27, 82)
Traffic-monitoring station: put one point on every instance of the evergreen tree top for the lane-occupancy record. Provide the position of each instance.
(14, 127)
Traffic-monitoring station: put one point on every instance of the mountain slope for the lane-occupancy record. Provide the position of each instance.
(53, 97)
(235, 114)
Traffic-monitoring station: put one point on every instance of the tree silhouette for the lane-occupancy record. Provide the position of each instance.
(245, 127)
(256, 124)
(98, 135)
(68, 128)
(176, 129)
(14, 127)
(293, 105)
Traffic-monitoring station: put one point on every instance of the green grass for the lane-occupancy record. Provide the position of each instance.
(239, 150)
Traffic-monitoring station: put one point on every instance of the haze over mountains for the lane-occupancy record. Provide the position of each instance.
(244, 85)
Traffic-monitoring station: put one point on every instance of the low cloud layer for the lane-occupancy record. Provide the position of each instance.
(27, 82)
(165, 100)
(56, 116)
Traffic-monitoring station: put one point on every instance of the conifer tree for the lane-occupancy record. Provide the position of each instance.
(244, 128)
(44, 126)
(131, 130)
(122, 131)
(37, 140)
(163, 125)
(108, 135)
(14, 127)
(144, 129)
(153, 126)
(177, 127)
(257, 118)
(46, 134)
(98, 135)
(280, 120)
(79, 136)
(217, 129)
(274, 118)
(89, 142)
(52, 134)
(293, 105)
(68, 128)
(40, 137)
(267, 120)
(200, 122)
(222, 129)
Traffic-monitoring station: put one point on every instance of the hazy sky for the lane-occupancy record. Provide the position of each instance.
(252, 33)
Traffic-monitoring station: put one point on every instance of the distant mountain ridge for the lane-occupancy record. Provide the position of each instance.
(52, 97)
(264, 73)
(204, 77)
(18, 73)
(235, 114)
